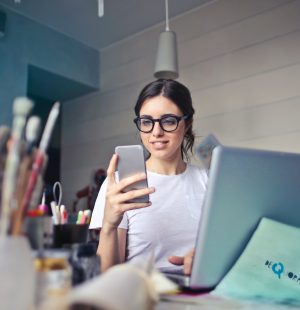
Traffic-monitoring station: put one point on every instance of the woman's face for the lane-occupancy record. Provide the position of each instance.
(161, 144)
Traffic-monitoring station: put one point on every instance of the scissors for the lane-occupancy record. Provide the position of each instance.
(57, 187)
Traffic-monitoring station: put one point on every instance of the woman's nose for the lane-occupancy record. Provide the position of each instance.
(157, 130)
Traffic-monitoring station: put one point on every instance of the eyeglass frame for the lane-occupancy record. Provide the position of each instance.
(159, 120)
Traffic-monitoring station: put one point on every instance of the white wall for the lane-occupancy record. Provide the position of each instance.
(241, 60)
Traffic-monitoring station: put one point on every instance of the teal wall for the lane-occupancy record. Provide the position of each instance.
(28, 43)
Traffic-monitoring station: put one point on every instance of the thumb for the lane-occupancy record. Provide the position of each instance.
(176, 260)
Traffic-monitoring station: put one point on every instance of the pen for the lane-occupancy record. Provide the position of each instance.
(80, 213)
(88, 214)
(54, 214)
(82, 218)
(43, 207)
(63, 214)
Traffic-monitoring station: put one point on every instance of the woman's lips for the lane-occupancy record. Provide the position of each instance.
(159, 144)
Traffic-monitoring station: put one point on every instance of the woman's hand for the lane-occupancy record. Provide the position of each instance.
(116, 200)
(186, 261)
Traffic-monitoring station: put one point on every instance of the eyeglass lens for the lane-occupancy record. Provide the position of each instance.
(168, 123)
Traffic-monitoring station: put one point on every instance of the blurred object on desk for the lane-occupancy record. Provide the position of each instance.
(121, 287)
(39, 230)
(90, 192)
(85, 262)
(17, 284)
(53, 275)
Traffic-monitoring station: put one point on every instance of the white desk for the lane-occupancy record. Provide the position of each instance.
(209, 303)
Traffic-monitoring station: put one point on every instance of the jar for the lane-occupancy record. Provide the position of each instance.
(53, 275)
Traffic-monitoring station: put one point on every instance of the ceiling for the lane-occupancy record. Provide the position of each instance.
(79, 18)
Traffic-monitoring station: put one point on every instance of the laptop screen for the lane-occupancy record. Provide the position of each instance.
(244, 186)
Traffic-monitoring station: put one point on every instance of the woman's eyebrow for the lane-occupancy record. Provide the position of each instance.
(163, 115)
(146, 116)
(168, 114)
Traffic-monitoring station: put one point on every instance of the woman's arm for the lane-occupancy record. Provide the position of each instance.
(112, 240)
(110, 253)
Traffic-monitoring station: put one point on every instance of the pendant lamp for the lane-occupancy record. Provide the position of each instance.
(100, 8)
(166, 59)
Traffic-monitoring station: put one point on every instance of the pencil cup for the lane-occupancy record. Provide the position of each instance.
(39, 231)
(68, 234)
(17, 285)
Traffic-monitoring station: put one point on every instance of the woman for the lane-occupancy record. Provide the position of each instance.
(167, 226)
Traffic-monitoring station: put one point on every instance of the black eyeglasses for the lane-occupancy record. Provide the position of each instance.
(167, 123)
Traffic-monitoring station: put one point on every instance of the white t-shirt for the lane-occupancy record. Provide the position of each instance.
(169, 225)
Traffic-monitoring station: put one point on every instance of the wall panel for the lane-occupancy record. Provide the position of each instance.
(240, 59)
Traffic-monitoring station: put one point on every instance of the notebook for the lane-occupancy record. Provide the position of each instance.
(244, 185)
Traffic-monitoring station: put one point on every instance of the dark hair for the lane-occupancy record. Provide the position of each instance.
(181, 96)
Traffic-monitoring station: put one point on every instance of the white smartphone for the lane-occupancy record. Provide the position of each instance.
(132, 161)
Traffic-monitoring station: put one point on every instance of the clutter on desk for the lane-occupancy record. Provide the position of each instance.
(85, 264)
(39, 243)
(125, 286)
(17, 285)
(22, 164)
(90, 192)
(53, 275)
(269, 268)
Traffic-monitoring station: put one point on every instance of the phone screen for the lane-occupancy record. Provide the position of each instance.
(132, 161)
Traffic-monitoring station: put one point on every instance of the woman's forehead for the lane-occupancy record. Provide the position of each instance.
(159, 105)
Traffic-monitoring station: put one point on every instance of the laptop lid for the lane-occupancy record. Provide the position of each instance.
(244, 186)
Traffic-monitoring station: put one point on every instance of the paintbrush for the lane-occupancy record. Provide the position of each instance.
(21, 109)
(37, 166)
(31, 135)
(4, 137)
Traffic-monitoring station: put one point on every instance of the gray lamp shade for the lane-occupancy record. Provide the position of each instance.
(166, 59)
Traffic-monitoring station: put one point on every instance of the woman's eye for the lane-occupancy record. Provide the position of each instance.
(169, 121)
(146, 122)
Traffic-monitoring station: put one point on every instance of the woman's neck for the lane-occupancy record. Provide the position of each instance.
(167, 167)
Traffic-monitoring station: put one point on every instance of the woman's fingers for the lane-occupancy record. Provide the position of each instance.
(118, 190)
(176, 260)
(131, 180)
(186, 261)
(116, 197)
(136, 193)
(120, 186)
(122, 199)
(134, 205)
(112, 167)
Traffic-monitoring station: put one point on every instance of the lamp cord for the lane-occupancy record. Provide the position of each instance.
(167, 15)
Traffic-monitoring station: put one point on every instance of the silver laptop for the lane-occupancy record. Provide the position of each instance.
(244, 186)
